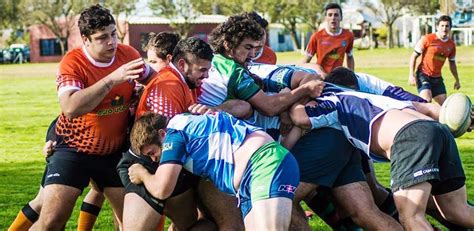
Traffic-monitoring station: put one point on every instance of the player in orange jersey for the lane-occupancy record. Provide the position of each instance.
(95, 84)
(265, 55)
(330, 44)
(434, 49)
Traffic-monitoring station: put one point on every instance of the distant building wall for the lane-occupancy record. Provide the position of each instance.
(41, 36)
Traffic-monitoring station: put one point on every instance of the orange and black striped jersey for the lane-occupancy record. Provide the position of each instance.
(166, 94)
(330, 49)
(268, 56)
(434, 52)
(103, 130)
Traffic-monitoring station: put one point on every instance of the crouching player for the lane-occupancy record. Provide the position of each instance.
(423, 153)
(238, 158)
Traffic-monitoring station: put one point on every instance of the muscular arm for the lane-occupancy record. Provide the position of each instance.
(454, 70)
(272, 105)
(411, 75)
(237, 108)
(299, 117)
(161, 184)
(75, 103)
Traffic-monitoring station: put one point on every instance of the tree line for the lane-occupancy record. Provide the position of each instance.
(60, 15)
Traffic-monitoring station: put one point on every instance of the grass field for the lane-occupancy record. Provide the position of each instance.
(28, 103)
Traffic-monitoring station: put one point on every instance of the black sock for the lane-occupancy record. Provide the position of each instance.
(31, 214)
(90, 208)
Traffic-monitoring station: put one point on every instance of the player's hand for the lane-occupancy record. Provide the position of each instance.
(127, 72)
(200, 109)
(412, 80)
(48, 148)
(286, 124)
(457, 85)
(472, 120)
(315, 87)
(135, 173)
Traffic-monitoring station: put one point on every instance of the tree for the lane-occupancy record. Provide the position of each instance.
(58, 15)
(10, 13)
(181, 13)
(121, 10)
(291, 13)
(388, 11)
(425, 7)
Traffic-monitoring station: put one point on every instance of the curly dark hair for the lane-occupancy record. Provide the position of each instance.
(259, 19)
(192, 46)
(145, 131)
(162, 43)
(94, 18)
(233, 32)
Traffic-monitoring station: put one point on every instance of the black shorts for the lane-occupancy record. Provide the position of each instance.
(425, 82)
(365, 161)
(185, 182)
(425, 151)
(326, 158)
(76, 169)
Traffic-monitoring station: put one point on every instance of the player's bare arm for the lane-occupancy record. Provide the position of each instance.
(161, 184)
(272, 105)
(411, 76)
(454, 70)
(75, 103)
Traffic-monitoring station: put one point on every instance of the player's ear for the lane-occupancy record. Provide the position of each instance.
(85, 40)
(227, 46)
(162, 133)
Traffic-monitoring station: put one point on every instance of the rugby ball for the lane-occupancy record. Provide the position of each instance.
(456, 113)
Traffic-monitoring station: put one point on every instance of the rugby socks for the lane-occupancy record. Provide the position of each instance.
(25, 219)
(87, 216)
(161, 225)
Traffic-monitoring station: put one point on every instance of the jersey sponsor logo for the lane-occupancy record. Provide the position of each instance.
(326, 42)
(110, 111)
(440, 56)
(287, 188)
(167, 146)
(425, 171)
(118, 100)
(333, 54)
(118, 107)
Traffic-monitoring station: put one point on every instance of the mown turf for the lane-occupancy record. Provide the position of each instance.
(28, 103)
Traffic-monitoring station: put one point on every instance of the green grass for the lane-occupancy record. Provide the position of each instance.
(28, 103)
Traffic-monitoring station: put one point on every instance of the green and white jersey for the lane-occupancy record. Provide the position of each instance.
(227, 80)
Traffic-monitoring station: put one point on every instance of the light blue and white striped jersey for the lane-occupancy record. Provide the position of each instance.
(353, 113)
(205, 145)
(371, 84)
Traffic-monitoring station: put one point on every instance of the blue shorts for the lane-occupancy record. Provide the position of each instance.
(272, 172)
(425, 82)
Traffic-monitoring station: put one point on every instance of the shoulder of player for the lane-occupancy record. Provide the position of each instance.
(127, 51)
(166, 75)
(73, 57)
